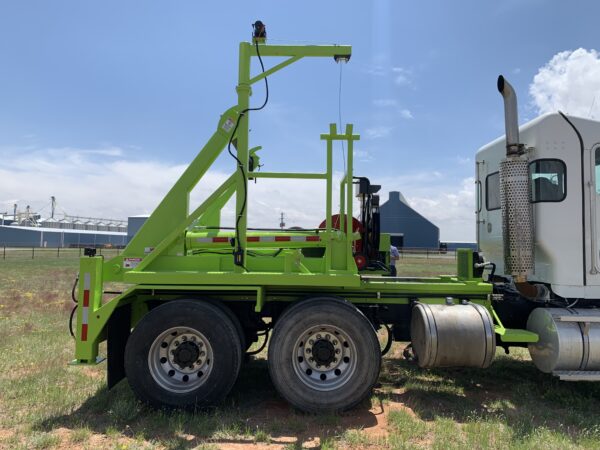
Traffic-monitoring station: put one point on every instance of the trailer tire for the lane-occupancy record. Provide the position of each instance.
(183, 354)
(236, 322)
(324, 355)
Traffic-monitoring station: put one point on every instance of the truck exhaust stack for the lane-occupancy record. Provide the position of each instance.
(515, 194)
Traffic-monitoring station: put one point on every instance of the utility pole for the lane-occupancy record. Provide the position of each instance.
(52, 206)
(281, 222)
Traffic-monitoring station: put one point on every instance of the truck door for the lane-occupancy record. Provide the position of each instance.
(594, 216)
(480, 209)
(489, 220)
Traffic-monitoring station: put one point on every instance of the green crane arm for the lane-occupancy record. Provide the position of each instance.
(173, 210)
(169, 220)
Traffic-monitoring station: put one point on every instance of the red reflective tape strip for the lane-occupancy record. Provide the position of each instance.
(265, 239)
(87, 278)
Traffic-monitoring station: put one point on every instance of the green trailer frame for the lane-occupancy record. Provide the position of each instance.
(181, 253)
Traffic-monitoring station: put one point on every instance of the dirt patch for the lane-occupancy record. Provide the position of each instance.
(369, 421)
(93, 372)
(255, 446)
(6, 434)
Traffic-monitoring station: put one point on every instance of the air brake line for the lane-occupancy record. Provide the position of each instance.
(238, 254)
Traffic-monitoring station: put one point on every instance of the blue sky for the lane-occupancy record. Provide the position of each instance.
(104, 103)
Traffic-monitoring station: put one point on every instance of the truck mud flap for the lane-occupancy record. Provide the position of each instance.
(118, 330)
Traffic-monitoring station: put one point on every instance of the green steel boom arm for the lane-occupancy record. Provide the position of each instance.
(171, 217)
(173, 209)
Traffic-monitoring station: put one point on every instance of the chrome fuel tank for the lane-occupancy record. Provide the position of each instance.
(452, 335)
(569, 339)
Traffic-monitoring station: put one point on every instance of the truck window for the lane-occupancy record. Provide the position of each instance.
(492, 191)
(548, 180)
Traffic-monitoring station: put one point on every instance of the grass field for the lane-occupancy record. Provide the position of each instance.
(46, 404)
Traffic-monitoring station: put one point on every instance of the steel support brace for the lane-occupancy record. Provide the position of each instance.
(345, 197)
(89, 300)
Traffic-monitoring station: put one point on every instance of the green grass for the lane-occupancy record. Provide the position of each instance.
(46, 404)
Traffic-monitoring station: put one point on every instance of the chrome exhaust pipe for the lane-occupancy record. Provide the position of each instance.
(515, 194)
(511, 118)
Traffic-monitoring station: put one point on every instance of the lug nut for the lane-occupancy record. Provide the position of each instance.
(311, 359)
(335, 342)
(311, 342)
(318, 336)
(337, 351)
(334, 360)
(308, 350)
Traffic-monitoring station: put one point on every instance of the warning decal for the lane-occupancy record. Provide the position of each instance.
(131, 263)
(228, 125)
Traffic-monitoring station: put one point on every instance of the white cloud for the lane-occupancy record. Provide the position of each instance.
(363, 155)
(385, 102)
(89, 183)
(378, 132)
(391, 103)
(402, 76)
(568, 82)
(406, 114)
(376, 70)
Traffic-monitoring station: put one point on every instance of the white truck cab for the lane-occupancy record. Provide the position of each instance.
(563, 154)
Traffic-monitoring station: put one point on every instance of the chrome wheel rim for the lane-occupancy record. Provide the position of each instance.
(180, 359)
(324, 357)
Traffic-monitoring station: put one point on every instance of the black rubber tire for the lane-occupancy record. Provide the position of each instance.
(323, 311)
(209, 319)
(235, 321)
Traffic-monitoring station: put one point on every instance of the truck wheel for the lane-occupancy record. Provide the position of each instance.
(183, 354)
(324, 355)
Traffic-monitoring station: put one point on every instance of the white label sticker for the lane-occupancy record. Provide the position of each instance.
(131, 263)
(148, 250)
(228, 125)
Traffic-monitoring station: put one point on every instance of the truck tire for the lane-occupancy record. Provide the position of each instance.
(324, 355)
(183, 354)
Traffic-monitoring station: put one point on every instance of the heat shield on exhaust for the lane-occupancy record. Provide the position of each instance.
(517, 218)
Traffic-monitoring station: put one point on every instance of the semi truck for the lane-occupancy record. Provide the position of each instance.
(195, 295)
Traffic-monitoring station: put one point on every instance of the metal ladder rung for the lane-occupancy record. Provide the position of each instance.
(578, 375)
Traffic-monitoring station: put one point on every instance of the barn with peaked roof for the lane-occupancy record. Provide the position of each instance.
(408, 228)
